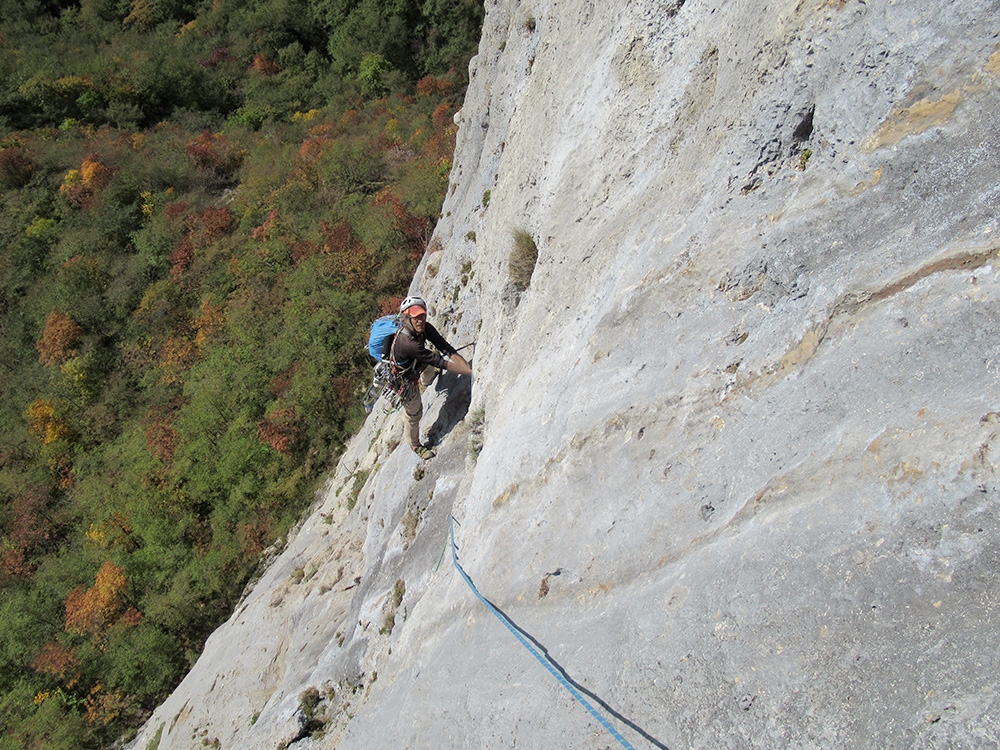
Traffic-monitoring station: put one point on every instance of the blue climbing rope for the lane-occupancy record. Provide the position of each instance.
(534, 652)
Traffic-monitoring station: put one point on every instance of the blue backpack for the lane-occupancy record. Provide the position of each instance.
(382, 329)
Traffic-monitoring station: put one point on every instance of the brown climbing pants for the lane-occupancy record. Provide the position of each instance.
(413, 408)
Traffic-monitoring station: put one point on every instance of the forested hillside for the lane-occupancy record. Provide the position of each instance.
(204, 205)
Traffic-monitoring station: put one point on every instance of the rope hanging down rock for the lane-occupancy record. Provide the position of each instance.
(532, 650)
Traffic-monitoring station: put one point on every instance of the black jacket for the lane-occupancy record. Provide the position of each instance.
(409, 350)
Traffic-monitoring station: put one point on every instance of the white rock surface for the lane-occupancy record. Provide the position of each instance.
(739, 466)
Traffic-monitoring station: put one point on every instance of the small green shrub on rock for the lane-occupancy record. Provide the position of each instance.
(523, 259)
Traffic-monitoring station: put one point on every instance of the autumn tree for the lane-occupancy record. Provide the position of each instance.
(215, 155)
(13, 562)
(58, 660)
(91, 611)
(45, 421)
(80, 186)
(28, 524)
(61, 334)
(202, 229)
(279, 430)
(16, 168)
(160, 429)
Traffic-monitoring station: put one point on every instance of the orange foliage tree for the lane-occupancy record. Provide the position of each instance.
(90, 612)
(281, 384)
(263, 66)
(429, 86)
(279, 431)
(81, 185)
(176, 357)
(216, 222)
(214, 154)
(390, 305)
(13, 563)
(307, 160)
(103, 707)
(27, 524)
(203, 228)
(264, 231)
(181, 257)
(58, 339)
(58, 660)
(303, 250)
(160, 434)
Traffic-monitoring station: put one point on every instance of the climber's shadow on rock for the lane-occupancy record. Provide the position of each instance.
(458, 396)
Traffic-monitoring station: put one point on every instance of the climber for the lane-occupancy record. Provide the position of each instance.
(409, 352)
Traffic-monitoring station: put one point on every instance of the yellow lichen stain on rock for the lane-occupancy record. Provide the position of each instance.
(801, 353)
(913, 120)
(615, 424)
(717, 422)
(864, 185)
(558, 458)
(792, 359)
(501, 500)
(993, 64)
(905, 472)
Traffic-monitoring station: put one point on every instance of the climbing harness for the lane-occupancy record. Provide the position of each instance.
(390, 382)
(545, 662)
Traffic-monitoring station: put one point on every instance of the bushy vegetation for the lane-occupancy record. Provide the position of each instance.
(205, 205)
(523, 258)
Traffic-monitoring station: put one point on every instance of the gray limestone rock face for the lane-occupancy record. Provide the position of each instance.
(729, 464)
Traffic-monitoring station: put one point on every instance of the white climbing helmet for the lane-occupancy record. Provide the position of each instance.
(407, 306)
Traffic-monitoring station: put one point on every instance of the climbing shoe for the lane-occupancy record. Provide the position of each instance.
(424, 452)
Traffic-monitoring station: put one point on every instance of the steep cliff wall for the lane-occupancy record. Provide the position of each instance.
(731, 458)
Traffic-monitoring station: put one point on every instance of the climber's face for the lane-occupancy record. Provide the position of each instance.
(418, 322)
